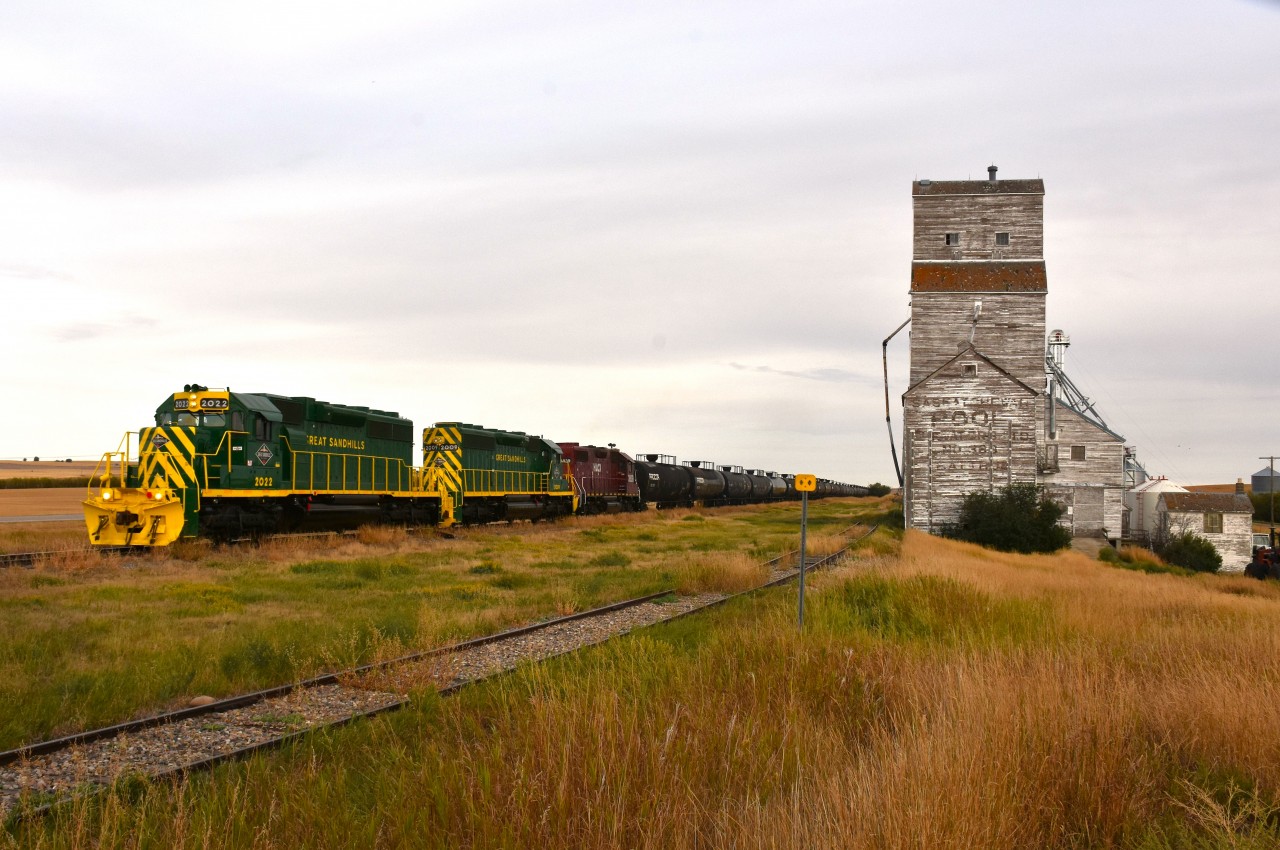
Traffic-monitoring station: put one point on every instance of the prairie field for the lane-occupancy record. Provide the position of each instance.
(85, 641)
(46, 469)
(940, 695)
(43, 502)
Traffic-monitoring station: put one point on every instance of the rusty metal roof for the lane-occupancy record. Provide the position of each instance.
(1227, 503)
(979, 276)
(977, 187)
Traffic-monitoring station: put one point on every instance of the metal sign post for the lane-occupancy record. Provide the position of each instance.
(805, 484)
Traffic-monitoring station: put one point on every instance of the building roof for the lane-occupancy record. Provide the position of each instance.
(1067, 408)
(980, 276)
(977, 187)
(1159, 485)
(1227, 503)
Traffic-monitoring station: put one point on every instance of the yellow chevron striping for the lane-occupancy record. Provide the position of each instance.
(171, 457)
(180, 460)
(182, 436)
(172, 475)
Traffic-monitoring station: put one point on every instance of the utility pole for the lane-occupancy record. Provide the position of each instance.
(1272, 538)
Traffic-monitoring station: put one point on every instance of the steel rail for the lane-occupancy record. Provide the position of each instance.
(240, 701)
(213, 761)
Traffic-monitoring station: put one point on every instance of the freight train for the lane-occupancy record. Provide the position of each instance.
(225, 464)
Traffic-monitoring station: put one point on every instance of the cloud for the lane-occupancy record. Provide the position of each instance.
(828, 375)
(134, 332)
(33, 273)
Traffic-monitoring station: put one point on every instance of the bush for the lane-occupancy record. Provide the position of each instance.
(1019, 518)
(1190, 550)
(878, 489)
(1141, 560)
(1262, 504)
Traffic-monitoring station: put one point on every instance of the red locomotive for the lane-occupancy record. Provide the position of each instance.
(605, 478)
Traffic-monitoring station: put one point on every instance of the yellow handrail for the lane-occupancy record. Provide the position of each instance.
(504, 481)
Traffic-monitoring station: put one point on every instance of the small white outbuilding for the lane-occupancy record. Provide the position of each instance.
(1224, 519)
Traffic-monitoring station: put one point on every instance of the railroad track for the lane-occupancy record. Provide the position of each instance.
(29, 559)
(199, 737)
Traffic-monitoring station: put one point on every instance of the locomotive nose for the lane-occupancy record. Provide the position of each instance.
(120, 516)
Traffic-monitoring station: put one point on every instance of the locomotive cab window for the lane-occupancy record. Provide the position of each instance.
(261, 428)
(237, 421)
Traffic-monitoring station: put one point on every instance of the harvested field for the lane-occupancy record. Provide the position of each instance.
(1217, 488)
(46, 469)
(41, 502)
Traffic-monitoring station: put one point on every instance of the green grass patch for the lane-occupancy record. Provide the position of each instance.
(86, 648)
(610, 559)
(928, 609)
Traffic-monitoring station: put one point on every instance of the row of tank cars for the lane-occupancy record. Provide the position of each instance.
(223, 465)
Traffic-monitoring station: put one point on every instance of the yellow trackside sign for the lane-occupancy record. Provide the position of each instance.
(806, 483)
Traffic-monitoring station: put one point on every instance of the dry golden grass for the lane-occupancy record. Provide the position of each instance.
(1199, 656)
(949, 697)
(720, 573)
(381, 535)
(1140, 555)
(822, 545)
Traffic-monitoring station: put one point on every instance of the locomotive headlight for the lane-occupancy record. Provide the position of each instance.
(194, 397)
(106, 495)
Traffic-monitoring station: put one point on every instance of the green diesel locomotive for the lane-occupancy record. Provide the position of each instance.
(494, 475)
(226, 464)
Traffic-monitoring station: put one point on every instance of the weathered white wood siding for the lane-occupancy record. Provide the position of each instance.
(965, 433)
(1234, 543)
(977, 210)
(973, 430)
(1010, 330)
(981, 305)
(1094, 487)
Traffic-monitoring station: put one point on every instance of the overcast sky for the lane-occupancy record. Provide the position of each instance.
(678, 227)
